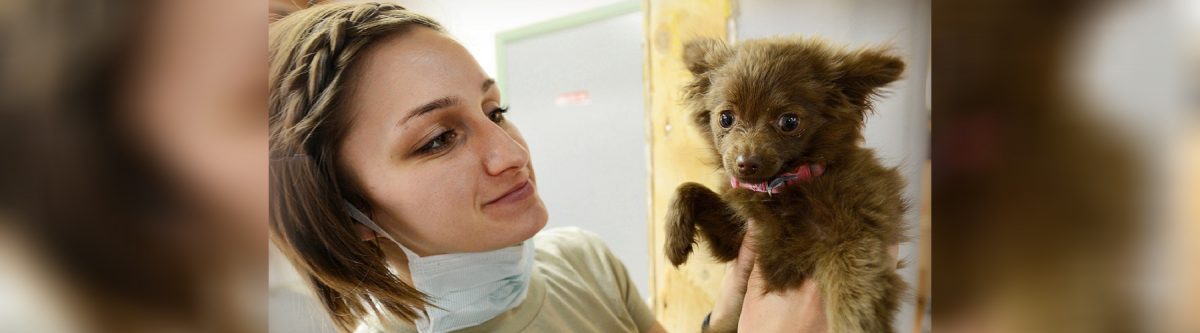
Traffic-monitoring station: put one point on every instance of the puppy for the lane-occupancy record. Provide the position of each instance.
(785, 118)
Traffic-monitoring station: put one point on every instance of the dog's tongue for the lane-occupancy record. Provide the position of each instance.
(803, 173)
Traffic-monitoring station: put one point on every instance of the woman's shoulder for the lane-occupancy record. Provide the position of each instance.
(569, 239)
(578, 262)
(582, 251)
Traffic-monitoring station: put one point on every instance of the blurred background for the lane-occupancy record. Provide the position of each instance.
(133, 166)
(1064, 144)
(1064, 157)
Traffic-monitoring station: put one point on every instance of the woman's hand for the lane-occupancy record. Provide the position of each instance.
(728, 308)
(743, 305)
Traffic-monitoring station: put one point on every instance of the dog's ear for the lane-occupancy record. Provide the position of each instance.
(703, 54)
(864, 72)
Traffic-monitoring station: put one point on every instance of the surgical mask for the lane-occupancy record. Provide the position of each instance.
(466, 289)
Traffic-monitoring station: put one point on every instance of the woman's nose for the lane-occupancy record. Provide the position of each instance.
(501, 151)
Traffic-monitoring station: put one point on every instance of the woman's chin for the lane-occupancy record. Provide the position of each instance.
(520, 227)
(535, 220)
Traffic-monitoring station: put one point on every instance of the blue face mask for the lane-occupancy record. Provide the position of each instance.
(466, 289)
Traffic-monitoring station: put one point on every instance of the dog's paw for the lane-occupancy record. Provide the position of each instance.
(681, 231)
(680, 238)
(677, 250)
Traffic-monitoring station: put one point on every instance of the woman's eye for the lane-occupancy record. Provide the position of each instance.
(497, 115)
(439, 142)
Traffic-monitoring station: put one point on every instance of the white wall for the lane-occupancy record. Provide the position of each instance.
(475, 23)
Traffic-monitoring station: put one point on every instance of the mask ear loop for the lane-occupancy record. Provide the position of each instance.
(361, 217)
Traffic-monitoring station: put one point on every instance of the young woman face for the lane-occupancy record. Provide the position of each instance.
(428, 145)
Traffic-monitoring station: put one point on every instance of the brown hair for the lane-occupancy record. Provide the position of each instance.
(312, 50)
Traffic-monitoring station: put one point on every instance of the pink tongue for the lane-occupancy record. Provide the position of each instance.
(803, 173)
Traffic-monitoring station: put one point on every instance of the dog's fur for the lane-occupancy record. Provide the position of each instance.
(834, 229)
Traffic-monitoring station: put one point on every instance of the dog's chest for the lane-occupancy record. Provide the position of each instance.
(794, 206)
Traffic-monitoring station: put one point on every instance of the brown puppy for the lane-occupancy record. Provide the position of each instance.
(785, 117)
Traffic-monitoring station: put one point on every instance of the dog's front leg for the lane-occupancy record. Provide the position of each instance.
(860, 287)
(696, 207)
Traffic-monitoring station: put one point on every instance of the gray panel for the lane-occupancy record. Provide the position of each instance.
(590, 159)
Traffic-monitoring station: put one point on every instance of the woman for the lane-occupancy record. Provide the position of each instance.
(408, 201)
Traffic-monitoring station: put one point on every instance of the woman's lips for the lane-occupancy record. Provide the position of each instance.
(517, 193)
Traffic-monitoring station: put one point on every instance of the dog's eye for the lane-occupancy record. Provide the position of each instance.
(788, 122)
(726, 119)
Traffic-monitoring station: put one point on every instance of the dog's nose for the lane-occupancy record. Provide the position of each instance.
(747, 165)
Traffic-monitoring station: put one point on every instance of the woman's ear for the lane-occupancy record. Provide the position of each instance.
(364, 233)
(703, 54)
(864, 71)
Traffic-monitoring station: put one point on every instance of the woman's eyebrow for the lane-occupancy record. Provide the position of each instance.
(440, 103)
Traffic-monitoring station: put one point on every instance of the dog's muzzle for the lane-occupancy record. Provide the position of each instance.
(803, 173)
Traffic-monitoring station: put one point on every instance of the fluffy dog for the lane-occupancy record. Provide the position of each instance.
(785, 118)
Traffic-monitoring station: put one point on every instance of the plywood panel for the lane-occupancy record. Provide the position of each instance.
(681, 296)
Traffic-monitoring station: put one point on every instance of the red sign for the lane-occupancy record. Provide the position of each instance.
(579, 97)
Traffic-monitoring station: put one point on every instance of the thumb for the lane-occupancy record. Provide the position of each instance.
(747, 253)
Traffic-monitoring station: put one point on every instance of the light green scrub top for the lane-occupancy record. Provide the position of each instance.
(577, 286)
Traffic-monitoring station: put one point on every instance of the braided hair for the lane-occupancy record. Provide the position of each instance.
(311, 53)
